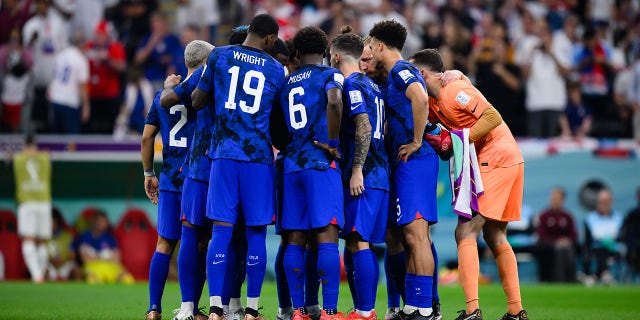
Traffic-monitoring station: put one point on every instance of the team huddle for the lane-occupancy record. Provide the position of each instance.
(357, 152)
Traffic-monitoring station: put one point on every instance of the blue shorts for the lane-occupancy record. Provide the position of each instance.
(169, 222)
(367, 214)
(194, 201)
(312, 199)
(415, 187)
(240, 184)
(279, 189)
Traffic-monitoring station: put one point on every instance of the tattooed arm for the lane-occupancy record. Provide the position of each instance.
(363, 140)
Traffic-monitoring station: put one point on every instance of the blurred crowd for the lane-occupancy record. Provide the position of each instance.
(553, 68)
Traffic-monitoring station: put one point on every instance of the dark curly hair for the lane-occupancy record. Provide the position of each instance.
(429, 58)
(390, 32)
(293, 52)
(310, 40)
(348, 43)
(264, 25)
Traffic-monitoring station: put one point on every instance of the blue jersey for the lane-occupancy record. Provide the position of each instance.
(362, 95)
(197, 165)
(304, 105)
(244, 83)
(176, 127)
(399, 112)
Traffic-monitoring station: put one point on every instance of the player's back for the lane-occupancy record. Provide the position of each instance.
(304, 105)
(245, 85)
(363, 95)
(176, 128)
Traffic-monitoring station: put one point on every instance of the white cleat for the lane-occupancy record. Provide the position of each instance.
(183, 314)
(391, 313)
(236, 314)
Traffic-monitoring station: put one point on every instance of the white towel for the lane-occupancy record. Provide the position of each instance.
(464, 174)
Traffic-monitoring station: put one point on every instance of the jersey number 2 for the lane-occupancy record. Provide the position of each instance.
(246, 86)
(182, 142)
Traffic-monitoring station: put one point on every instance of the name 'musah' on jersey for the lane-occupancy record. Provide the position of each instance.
(299, 77)
(248, 58)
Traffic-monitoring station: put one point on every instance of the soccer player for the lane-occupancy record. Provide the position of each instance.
(394, 258)
(176, 124)
(312, 107)
(365, 170)
(415, 165)
(460, 105)
(196, 167)
(243, 81)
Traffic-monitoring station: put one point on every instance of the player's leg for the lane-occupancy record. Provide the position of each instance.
(43, 232)
(311, 279)
(27, 229)
(257, 201)
(236, 272)
(169, 230)
(466, 235)
(222, 207)
(437, 312)
(395, 268)
(285, 308)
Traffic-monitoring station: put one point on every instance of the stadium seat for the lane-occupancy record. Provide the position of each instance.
(10, 246)
(137, 238)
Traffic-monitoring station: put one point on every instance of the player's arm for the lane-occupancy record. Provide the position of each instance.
(200, 96)
(363, 142)
(452, 75)
(169, 97)
(420, 109)
(146, 152)
(334, 116)
(488, 120)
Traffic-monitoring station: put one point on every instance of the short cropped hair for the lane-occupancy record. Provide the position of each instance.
(390, 32)
(279, 48)
(195, 52)
(348, 43)
(309, 40)
(429, 58)
(264, 25)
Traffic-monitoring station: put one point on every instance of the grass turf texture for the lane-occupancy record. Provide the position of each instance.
(24, 300)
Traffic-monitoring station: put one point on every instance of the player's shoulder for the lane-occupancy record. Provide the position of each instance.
(331, 73)
(459, 91)
(404, 71)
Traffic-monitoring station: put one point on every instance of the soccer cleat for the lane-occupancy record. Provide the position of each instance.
(287, 315)
(237, 314)
(297, 315)
(522, 315)
(250, 317)
(200, 316)
(414, 316)
(437, 312)
(214, 316)
(337, 316)
(475, 315)
(391, 313)
(314, 312)
(183, 315)
(153, 315)
(354, 315)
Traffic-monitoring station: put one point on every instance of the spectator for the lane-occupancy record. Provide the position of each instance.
(15, 67)
(32, 171)
(499, 80)
(100, 255)
(13, 14)
(138, 97)
(45, 34)
(69, 89)
(88, 14)
(107, 63)
(602, 231)
(188, 34)
(62, 260)
(457, 39)
(633, 96)
(156, 51)
(565, 42)
(340, 15)
(203, 14)
(630, 235)
(575, 122)
(131, 19)
(557, 240)
(546, 92)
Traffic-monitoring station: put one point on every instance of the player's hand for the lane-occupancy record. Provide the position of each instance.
(172, 81)
(356, 185)
(333, 152)
(450, 76)
(86, 113)
(151, 188)
(441, 143)
(406, 150)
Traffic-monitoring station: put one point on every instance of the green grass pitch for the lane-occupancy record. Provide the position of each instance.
(24, 300)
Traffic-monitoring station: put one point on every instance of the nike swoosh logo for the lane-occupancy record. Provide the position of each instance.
(252, 264)
(355, 107)
(217, 262)
(474, 108)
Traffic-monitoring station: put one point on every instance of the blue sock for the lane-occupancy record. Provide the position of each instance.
(419, 289)
(329, 271)
(348, 268)
(241, 255)
(256, 260)
(158, 272)
(232, 270)
(398, 269)
(187, 263)
(294, 269)
(217, 259)
(201, 277)
(376, 276)
(284, 298)
(312, 282)
(364, 279)
(393, 296)
(434, 292)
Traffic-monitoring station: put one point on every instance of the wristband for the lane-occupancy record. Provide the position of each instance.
(432, 129)
(333, 143)
(149, 173)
